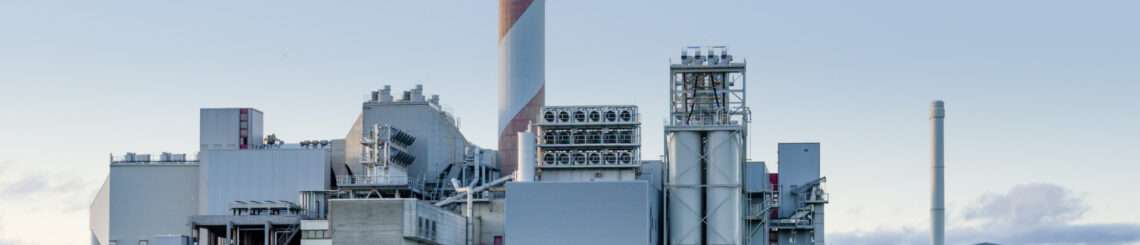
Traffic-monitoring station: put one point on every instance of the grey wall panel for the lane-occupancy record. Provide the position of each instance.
(366, 221)
(578, 213)
(391, 221)
(756, 177)
(653, 172)
(489, 220)
(271, 174)
(798, 164)
(151, 199)
(99, 214)
(256, 127)
(218, 128)
(352, 149)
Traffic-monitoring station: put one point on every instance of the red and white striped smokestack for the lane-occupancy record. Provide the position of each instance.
(522, 69)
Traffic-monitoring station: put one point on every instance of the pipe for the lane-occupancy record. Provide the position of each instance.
(455, 198)
(938, 165)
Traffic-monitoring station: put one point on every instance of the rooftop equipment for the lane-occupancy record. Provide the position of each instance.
(575, 143)
(385, 158)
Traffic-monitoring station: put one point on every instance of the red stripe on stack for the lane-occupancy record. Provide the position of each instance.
(508, 141)
(509, 12)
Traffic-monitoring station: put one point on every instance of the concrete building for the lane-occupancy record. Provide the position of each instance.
(592, 187)
(405, 174)
(439, 142)
(489, 226)
(800, 216)
(315, 232)
(579, 213)
(144, 200)
(759, 202)
(392, 221)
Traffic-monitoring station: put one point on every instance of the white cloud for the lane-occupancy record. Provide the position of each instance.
(43, 208)
(1026, 214)
(1026, 206)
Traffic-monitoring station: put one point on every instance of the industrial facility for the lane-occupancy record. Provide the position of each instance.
(404, 173)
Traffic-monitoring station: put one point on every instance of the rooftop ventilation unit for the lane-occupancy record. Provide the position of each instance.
(603, 136)
(548, 116)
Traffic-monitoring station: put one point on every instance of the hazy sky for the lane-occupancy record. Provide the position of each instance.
(1041, 95)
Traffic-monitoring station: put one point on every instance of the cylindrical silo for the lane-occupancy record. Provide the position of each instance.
(685, 192)
(521, 71)
(723, 201)
(527, 153)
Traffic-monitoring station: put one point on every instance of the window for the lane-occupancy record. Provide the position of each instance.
(315, 234)
(433, 230)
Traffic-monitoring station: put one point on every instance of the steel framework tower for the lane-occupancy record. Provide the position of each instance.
(705, 148)
(521, 72)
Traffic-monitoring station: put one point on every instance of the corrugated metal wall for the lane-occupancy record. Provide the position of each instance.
(151, 199)
(270, 174)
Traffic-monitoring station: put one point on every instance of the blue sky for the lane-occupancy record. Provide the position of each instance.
(1037, 92)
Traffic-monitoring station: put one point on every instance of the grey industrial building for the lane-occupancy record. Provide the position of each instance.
(405, 174)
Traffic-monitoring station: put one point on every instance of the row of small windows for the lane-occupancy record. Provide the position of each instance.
(315, 234)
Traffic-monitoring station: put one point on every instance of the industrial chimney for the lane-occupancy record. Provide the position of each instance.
(522, 79)
(938, 189)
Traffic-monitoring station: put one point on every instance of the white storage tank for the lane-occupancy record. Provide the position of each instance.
(685, 198)
(723, 200)
(526, 154)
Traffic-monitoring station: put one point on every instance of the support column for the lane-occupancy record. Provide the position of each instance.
(229, 234)
(267, 227)
(193, 232)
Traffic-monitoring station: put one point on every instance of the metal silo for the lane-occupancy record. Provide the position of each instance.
(723, 198)
(685, 202)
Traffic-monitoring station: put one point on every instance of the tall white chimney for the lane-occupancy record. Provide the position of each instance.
(938, 165)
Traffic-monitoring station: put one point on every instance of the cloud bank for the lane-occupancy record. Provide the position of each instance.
(1026, 214)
